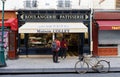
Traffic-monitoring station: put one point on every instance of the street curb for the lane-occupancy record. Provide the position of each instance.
(47, 70)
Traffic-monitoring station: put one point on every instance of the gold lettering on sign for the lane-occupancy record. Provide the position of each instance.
(63, 16)
(115, 27)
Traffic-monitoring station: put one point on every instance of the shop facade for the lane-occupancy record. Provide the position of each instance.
(38, 28)
(10, 33)
(106, 29)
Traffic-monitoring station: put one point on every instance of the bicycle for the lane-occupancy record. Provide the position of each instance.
(82, 66)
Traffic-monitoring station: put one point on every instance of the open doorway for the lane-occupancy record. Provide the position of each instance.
(78, 43)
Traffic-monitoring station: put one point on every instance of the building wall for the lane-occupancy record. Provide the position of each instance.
(106, 4)
(52, 4)
(107, 51)
(8, 15)
(95, 37)
(45, 4)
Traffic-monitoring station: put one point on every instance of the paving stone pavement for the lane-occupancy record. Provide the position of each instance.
(45, 64)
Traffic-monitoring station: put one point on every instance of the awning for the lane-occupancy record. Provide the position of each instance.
(50, 27)
(12, 23)
(109, 25)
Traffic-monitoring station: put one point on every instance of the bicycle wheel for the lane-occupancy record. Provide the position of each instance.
(103, 66)
(81, 67)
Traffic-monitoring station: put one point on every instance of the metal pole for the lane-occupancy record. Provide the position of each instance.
(91, 16)
(53, 36)
(2, 56)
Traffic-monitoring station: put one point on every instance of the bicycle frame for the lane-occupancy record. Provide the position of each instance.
(92, 61)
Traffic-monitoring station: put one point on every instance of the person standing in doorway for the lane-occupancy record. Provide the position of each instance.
(55, 49)
(64, 48)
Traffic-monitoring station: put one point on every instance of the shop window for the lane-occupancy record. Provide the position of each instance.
(30, 4)
(60, 3)
(67, 3)
(34, 3)
(64, 4)
(117, 4)
(27, 4)
(40, 40)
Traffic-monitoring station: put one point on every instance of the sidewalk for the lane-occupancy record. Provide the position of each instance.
(45, 64)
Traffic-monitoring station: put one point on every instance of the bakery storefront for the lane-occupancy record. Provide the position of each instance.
(37, 29)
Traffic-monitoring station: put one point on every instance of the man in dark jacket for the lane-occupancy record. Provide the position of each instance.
(64, 48)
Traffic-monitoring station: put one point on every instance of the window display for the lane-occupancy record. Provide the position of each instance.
(39, 40)
(45, 40)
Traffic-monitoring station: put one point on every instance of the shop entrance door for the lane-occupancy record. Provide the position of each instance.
(76, 42)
